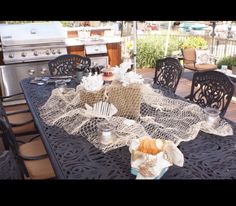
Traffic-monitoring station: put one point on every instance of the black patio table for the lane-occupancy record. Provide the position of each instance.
(73, 157)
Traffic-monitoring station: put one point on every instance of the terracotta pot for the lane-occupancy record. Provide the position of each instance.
(234, 70)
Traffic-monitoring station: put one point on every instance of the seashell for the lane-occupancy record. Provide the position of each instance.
(92, 83)
(101, 109)
(130, 78)
(174, 154)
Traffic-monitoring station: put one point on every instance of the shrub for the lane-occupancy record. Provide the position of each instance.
(152, 47)
(196, 42)
(228, 60)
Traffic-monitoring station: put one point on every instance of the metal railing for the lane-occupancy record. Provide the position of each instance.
(221, 47)
(224, 47)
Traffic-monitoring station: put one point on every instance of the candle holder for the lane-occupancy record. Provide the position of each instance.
(61, 85)
(108, 75)
(105, 133)
(212, 115)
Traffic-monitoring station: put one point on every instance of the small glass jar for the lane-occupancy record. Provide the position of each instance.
(61, 85)
(212, 115)
(105, 132)
(79, 76)
(224, 68)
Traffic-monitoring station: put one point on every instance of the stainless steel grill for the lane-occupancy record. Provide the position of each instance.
(97, 52)
(28, 47)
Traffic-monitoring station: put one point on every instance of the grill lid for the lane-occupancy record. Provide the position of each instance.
(33, 33)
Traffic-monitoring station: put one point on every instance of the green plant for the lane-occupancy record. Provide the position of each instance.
(66, 23)
(228, 60)
(152, 47)
(196, 42)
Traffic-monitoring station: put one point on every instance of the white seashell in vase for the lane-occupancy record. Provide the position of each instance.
(131, 78)
(118, 72)
(101, 109)
(92, 82)
(125, 65)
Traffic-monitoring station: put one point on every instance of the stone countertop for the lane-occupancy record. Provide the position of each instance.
(89, 28)
(228, 72)
(103, 40)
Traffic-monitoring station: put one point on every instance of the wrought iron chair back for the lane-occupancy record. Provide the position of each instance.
(8, 166)
(66, 64)
(19, 118)
(212, 89)
(167, 73)
(4, 134)
(10, 142)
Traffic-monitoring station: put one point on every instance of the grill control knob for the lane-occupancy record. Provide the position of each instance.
(59, 51)
(23, 54)
(36, 53)
(53, 51)
(47, 52)
(11, 55)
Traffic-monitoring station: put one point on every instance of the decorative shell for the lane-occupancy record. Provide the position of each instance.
(92, 83)
(131, 78)
(120, 71)
(101, 109)
(126, 65)
(150, 158)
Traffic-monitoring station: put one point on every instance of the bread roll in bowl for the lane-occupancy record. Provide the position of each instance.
(150, 146)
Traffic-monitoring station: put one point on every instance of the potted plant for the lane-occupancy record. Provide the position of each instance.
(234, 65)
(230, 61)
(234, 69)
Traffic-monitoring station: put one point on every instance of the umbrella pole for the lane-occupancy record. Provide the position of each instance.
(134, 42)
(167, 38)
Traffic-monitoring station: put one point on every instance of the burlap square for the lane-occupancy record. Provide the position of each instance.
(126, 99)
(90, 98)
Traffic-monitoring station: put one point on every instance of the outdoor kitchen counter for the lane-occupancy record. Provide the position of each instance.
(113, 45)
(103, 40)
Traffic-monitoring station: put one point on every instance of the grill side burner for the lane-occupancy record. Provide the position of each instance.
(97, 53)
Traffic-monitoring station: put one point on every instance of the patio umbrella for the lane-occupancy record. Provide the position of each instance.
(167, 38)
(134, 42)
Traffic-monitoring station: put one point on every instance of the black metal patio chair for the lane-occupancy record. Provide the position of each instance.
(66, 64)
(212, 89)
(167, 73)
(19, 116)
(190, 61)
(8, 166)
(31, 157)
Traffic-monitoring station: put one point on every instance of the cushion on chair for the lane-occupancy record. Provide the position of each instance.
(15, 108)
(189, 55)
(201, 67)
(202, 56)
(20, 118)
(33, 148)
(38, 169)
